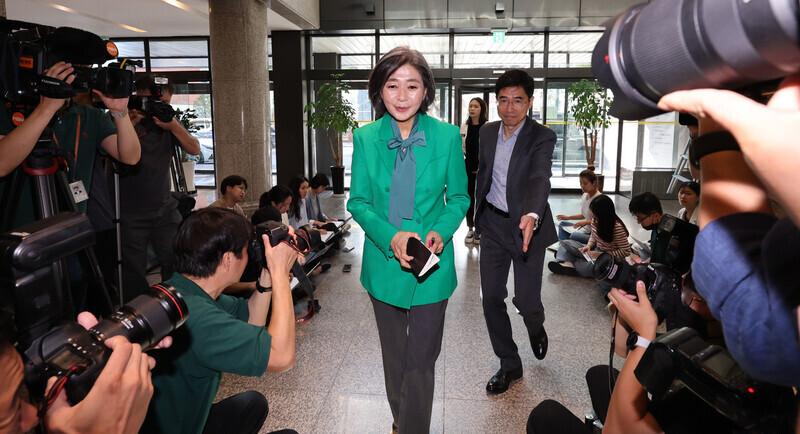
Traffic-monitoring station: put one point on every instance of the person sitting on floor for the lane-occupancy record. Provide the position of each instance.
(608, 235)
(646, 208)
(298, 212)
(233, 189)
(272, 205)
(582, 228)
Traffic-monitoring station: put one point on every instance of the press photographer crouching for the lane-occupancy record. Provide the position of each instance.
(223, 333)
(696, 386)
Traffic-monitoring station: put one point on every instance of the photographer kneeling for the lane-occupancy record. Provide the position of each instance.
(222, 334)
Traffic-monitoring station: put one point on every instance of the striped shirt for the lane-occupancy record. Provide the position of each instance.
(618, 247)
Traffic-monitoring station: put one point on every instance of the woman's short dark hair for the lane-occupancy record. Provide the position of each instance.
(205, 236)
(319, 180)
(589, 175)
(694, 185)
(294, 186)
(391, 62)
(231, 181)
(605, 216)
(514, 78)
(276, 194)
(483, 117)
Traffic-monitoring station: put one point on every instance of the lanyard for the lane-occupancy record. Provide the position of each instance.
(77, 138)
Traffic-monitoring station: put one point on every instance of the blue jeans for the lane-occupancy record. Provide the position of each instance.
(578, 235)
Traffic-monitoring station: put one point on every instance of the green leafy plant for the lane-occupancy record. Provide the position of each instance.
(333, 113)
(185, 117)
(588, 104)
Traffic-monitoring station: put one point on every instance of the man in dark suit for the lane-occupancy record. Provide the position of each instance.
(515, 221)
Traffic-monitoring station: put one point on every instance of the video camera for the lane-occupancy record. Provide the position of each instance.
(52, 344)
(28, 49)
(653, 49)
(663, 281)
(681, 359)
(151, 105)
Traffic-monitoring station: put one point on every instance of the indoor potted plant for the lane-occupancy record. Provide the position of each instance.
(185, 117)
(588, 104)
(335, 116)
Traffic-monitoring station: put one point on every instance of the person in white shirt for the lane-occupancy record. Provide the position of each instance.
(583, 228)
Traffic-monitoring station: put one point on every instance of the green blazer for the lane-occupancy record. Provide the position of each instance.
(440, 203)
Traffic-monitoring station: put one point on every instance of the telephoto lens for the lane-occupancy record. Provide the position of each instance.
(653, 49)
(146, 319)
(616, 272)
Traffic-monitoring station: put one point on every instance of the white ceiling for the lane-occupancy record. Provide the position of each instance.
(107, 17)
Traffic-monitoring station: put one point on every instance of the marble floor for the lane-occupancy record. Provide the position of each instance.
(337, 386)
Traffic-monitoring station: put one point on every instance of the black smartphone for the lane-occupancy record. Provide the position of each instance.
(346, 268)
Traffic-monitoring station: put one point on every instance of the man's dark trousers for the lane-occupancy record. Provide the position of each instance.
(498, 252)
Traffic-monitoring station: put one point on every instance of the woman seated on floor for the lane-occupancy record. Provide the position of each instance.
(609, 235)
(581, 229)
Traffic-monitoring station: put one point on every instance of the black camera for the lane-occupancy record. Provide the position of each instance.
(50, 343)
(305, 239)
(152, 106)
(662, 282)
(28, 49)
(681, 359)
(681, 242)
(653, 49)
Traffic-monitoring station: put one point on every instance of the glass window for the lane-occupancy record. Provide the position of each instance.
(130, 48)
(572, 50)
(176, 48)
(185, 97)
(481, 51)
(435, 48)
(352, 52)
(179, 64)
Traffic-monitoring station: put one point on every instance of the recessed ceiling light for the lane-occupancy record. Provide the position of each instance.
(90, 16)
(185, 7)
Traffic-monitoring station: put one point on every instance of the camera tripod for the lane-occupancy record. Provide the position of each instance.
(44, 170)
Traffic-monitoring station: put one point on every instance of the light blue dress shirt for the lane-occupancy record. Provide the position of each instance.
(502, 158)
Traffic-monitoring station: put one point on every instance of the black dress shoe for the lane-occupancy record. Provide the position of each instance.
(557, 268)
(502, 379)
(539, 344)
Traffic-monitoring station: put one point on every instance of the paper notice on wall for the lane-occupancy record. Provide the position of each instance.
(659, 141)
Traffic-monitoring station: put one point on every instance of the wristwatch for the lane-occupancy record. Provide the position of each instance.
(262, 289)
(119, 115)
(710, 143)
(634, 340)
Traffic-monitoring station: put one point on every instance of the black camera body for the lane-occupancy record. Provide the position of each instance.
(52, 344)
(152, 106)
(305, 239)
(663, 284)
(681, 359)
(28, 49)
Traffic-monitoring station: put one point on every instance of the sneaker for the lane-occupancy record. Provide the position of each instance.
(346, 228)
(470, 236)
(477, 239)
(562, 268)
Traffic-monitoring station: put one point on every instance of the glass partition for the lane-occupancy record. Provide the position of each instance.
(484, 51)
(435, 48)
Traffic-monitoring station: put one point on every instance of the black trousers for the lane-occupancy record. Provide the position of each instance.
(552, 417)
(411, 340)
(471, 178)
(242, 413)
(498, 252)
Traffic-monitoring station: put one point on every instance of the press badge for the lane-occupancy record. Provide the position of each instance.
(78, 192)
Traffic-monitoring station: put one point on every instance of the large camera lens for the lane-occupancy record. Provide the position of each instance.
(146, 319)
(665, 46)
(616, 272)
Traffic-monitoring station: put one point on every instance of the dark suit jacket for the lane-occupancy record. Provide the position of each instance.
(529, 172)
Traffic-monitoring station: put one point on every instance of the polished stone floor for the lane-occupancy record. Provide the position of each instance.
(337, 382)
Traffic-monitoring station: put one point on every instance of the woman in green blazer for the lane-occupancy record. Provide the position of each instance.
(408, 179)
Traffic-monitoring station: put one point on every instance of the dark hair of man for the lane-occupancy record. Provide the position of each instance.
(694, 185)
(205, 236)
(294, 186)
(483, 117)
(645, 203)
(589, 175)
(276, 195)
(391, 62)
(606, 217)
(514, 78)
(319, 180)
(231, 181)
(146, 82)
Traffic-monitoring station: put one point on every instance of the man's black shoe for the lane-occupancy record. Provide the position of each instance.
(539, 344)
(557, 268)
(502, 379)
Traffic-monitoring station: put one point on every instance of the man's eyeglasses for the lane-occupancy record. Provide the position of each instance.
(514, 102)
(642, 218)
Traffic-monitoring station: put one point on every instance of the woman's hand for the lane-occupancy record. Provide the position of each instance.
(584, 249)
(581, 224)
(639, 315)
(434, 242)
(398, 245)
(562, 217)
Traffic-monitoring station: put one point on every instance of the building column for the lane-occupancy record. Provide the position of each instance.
(240, 93)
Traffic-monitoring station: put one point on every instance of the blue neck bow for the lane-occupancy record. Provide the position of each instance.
(404, 176)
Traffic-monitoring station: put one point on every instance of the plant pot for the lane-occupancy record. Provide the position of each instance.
(337, 178)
